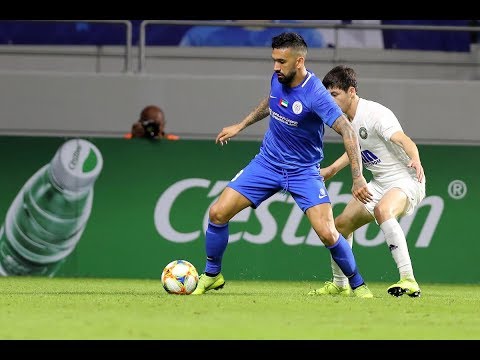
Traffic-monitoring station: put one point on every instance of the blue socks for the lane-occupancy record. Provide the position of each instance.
(342, 254)
(216, 241)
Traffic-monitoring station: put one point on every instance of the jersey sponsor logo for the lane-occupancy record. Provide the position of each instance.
(369, 158)
(283, 119)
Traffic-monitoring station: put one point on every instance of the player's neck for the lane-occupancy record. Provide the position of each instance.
(352, 110)
(299, 78)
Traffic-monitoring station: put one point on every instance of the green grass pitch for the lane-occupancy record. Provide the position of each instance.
(99, 309)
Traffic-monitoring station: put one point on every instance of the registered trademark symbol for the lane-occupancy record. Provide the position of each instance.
(457, 189)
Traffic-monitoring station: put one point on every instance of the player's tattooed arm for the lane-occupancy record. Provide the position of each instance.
(350, 141)
(352, 148)
(260, 112)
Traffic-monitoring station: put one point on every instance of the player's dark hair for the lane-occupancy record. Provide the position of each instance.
(340, 77)
(290, 40)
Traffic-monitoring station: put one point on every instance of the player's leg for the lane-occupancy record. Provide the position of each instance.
(352, 217)
(228, 205)
(309, 192)
(249, 187)
(394, 204)
(390, 207)
(321, 219)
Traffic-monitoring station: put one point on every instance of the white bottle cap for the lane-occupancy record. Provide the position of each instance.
(76, 165)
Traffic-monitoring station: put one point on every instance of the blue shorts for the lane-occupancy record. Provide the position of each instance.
(259, 180)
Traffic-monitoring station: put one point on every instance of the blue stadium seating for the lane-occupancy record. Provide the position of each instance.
(85, 33)
(427, 40)
(88, 33)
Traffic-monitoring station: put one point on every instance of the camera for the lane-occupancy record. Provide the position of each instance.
(151, 128)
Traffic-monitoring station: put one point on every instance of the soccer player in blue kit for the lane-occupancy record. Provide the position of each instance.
(289, 157)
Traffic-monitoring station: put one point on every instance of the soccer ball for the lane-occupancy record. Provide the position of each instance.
(179, 277)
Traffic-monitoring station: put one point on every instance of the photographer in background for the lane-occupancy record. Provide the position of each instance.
(150, 125)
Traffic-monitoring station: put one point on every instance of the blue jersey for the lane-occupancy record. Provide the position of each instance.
(294, 138)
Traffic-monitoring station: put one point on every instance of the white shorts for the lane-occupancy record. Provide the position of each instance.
(414, 190)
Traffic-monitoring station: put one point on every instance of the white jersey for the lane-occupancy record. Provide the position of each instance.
(387, 161)
(374, 125)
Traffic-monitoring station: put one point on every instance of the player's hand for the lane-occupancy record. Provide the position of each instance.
(227, 133)
(360, 190)
(417, 165)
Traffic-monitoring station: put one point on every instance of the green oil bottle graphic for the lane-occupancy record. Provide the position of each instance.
(49, 214)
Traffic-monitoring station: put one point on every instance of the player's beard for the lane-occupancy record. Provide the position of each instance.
(287, 78)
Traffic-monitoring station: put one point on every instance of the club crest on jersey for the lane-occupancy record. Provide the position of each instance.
(283, 102)
(297, 107)
(363, 133)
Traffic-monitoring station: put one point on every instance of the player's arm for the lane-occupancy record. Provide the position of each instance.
(411, 149)
(359, 189)
(260, 112)
(332, 169)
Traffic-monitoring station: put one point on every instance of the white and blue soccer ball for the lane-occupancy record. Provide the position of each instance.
(179, 277)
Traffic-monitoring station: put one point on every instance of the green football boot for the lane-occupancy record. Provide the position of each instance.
(206, 283)
(405, 286)
(363, 292)
(331, 288)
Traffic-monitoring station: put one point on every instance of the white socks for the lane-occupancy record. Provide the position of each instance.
(397, 243)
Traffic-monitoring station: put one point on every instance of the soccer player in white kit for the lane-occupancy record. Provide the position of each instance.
(397, 185)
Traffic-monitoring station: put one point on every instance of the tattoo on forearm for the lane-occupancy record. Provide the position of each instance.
(344, 128)
(354, 156)
(259, 113)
